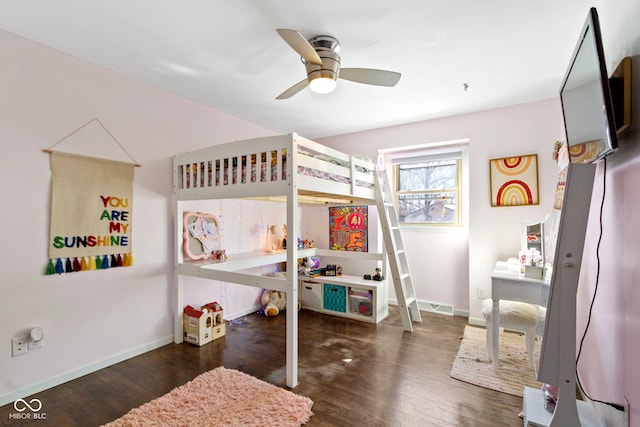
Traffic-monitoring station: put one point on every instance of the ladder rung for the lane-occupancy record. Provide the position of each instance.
(404, 276)
(409, 301)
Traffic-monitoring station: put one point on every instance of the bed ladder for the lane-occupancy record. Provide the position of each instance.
(394, 247)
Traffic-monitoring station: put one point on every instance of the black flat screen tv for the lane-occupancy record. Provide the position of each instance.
(586, 98)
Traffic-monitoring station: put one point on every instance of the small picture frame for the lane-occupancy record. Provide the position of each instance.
(514, 181)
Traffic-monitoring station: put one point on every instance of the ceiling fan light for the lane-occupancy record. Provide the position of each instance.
(322, 85)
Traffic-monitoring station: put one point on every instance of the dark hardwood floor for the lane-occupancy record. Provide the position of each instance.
(393, 378)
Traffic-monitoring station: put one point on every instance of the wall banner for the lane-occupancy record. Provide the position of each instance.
(91, 213)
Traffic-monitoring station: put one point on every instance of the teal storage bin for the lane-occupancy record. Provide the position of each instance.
(335, 298)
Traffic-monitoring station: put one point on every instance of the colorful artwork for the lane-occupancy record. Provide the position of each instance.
(514, 181)
(201, 236)
(91, 213)
(348, 228)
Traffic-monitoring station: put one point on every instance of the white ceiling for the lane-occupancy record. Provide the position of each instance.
(227, 54)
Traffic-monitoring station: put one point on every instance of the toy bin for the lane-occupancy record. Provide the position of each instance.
(335, 298)
(361, 305)
(311, 294)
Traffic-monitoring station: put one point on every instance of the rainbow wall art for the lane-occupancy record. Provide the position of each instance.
(514, 181)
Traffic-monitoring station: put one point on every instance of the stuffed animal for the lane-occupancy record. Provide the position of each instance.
(273, 302)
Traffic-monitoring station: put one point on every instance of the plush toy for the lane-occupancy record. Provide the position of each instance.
(273, 302)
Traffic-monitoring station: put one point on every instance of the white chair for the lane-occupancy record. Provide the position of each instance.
(516, 316)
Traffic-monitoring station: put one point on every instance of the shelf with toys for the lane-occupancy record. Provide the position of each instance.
(359, 298)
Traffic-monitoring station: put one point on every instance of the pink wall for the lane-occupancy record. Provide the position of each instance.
(453, 276)
(608, 365)
(45, 95)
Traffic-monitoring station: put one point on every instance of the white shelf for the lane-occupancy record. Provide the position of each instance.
(311, 295)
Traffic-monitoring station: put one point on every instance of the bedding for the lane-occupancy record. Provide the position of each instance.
(249, 163)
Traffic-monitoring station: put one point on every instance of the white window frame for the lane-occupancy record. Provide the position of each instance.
(389, 158)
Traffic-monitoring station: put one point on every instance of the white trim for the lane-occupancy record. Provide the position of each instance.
(477, 321)
(244, 312)
(77, 373)
(462, 313)
(427, 146)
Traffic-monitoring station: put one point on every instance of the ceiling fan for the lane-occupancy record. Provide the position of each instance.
(320, 56)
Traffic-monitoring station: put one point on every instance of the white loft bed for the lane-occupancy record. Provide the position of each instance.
(288, 168)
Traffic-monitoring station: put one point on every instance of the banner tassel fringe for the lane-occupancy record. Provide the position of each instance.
(51, 269)
(59, 266)
(68, 267)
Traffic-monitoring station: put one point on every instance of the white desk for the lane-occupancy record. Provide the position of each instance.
(508, 284)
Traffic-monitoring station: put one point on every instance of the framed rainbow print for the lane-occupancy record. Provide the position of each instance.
(514, 181)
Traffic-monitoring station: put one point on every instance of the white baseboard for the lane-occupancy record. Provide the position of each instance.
(244, 312)
(77, 373)
(475, 321)
(462, 313)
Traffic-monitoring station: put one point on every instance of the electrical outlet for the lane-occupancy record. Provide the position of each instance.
(19, 346)
(482, 293)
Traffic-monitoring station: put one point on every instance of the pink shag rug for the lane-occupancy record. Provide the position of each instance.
(222, 397)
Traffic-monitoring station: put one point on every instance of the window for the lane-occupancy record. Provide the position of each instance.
(427, 190)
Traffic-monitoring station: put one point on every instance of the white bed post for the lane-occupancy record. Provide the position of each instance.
(177, 258)
(293, 225)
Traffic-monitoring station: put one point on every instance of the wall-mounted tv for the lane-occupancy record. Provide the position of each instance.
(586, 98)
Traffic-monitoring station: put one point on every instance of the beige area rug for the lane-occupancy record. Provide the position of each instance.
(472, 364)
(222, 397)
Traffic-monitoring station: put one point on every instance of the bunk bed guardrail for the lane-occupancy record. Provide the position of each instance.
(264, 167)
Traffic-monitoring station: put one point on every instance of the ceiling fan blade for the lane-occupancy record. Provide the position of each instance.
(370, 76)
(293, 89)
(300, 45)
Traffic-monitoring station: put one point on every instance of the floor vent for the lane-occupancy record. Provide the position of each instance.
(432, 307)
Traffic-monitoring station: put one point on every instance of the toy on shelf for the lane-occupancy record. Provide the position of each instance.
(310, 266)
(331, 270)
(283, 245)
(271, 244)
(378, 277)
